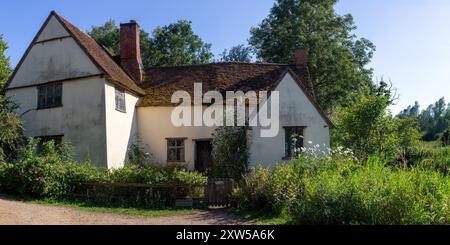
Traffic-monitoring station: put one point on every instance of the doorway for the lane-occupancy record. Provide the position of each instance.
(203, 158)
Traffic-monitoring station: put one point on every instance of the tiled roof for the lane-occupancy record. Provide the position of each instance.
(104, 61)
(162, 82)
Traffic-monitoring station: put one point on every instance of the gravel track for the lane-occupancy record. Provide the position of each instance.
(13, 212)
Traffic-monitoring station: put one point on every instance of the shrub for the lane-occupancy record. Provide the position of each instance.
(230, 152)
(50, 173)
(157, 174)
(254, 193)
(10, 129)
(369, 129)
(430, 154)
(445, 137)
(137, 156)
(168, 183)
(47, 173)
(339, 189)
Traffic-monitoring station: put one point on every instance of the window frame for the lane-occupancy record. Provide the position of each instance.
(181, 147)
(120, 100)
(49, 91)
(287, 140)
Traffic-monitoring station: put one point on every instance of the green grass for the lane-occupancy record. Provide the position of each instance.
(114, 210)
(260, 218)
(342, 190)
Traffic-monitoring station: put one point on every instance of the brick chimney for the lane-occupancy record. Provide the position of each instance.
(301, 57)
(130, 50)
(301, 63)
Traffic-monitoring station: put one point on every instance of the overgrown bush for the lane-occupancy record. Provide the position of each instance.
(339, 189)
(368, 129)
(230, 152)
(445, 137)
(430, 154)
(10, 129)
(175, 179)
(50, 172)
(137, 156)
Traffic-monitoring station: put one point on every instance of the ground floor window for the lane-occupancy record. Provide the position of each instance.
(175, 149)
(293, 140)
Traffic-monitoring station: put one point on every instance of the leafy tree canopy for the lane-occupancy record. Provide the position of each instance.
(108, 36)
(239, 53)
(337, 58)
(433, 121)
(174, 44)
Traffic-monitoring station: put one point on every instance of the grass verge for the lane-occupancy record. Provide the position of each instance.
(89, 207)
(261, 218)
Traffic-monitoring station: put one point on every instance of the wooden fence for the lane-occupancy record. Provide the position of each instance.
(143, 195)
(215, 193)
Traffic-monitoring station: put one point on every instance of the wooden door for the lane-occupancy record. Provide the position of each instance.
(203, 155)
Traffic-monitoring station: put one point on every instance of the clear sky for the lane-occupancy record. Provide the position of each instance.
(412, 36)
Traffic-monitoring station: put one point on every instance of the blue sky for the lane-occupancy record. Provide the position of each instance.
(412, 36)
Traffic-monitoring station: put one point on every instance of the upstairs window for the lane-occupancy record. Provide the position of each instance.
(175, 150)
(50, 95)
(120, 100)
(293, 141)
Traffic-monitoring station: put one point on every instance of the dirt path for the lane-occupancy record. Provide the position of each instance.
(20, 213)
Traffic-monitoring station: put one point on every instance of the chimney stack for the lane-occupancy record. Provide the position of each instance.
(301, 62)
(130, 50)
(301, 57)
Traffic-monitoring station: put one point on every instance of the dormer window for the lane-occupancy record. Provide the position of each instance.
(50, 95)
(120, 100)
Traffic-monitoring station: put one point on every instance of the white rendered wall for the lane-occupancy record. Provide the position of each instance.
(121, 128)
(295, 110)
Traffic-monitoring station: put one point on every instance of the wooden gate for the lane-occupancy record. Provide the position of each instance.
(218, 192)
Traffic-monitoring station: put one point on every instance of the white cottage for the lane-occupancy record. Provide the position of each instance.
(71, 89)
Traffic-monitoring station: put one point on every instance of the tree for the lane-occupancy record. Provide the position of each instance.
(177, 44)
(337, 59)
(410, 111)
(239, 53)
(174, 44)
(365, 127)
(433, 121)
(10, 129)
(5, 68)
(368, 128)
(10, 123)
(107, 35)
